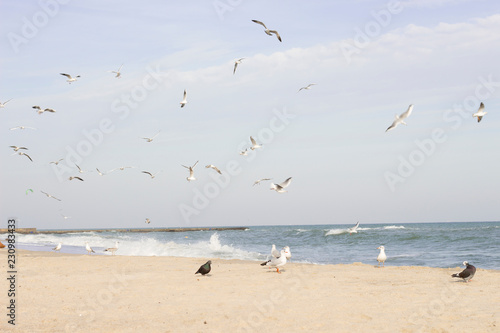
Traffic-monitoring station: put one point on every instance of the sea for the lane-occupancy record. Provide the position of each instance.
(406, 244)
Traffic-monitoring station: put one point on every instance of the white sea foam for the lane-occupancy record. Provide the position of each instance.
(336, 232)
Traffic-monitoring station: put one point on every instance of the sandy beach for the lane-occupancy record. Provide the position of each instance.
(80, 293)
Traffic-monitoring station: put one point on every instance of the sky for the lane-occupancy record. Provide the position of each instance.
(369, 61)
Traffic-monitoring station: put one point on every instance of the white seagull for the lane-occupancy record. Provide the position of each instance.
(71, 178)
(121, 168)
(99, 172)
(308, 87)
(21, 153)
(16, 148)
(22, 128)
(50, 196)
(213, 167)
(401, 118)
(151, 174)
(244, 152)
(118, 73)
(267, 31)
(65, 217)
(257, 182)
(277, 261)
(382, 257)
(280, 188)
(40, 111)
(2, 105)
(236, 63)
(191, 172)
(151, 138)
(80, 169)
(88, 248)
(112, 249)
(354, 229)
(148, 221)
(480, 112)
(288, 253)
(57, 162)
(58, 247)
(255, 145)
(70, 78)
(184, 99)
(274, 254)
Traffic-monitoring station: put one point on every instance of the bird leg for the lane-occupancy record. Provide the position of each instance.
(278, 270)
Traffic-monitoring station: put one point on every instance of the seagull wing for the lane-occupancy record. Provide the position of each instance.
(194, 164)
(276, 33)
(259, 22)
(78, 178)
(393, 125)
(67, 75)
(481, 107)
(235, 65)
(285, 183)
(36, 107)
(147, 172)
(27, 156)
(407, 113)
(253, 141)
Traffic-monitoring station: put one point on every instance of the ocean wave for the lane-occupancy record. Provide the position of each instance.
(337, 232)
(394, 227)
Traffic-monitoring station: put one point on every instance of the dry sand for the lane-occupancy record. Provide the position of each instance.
(81, 293)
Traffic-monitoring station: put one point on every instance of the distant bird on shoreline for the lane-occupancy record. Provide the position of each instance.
(277, 262)
(236, 63)
(382, 257)
(50, 196)
(70, 78)
(467, 274)
(401, 118)
(213, 167)
(205, 268)
(280, 188)
(288, 253)
(267, 31)
(184, 99)
(307, 87)
(112, 249)
(2, 105)
(58, 247)
(480, 113)
(191, 172)
(88, 248)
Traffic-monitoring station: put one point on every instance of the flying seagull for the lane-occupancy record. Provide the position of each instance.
(65, 217)
(99, 172)
(21, 153)
(40, 111)
(16, 148)
(213, 167)
(118, 73)
(88, 248)
(71, 178)
(280, 188)
(22, 127)
(255, 145)
(50, 196)
(57, 162)
(308, 87)
(354, 229)
(151, 138)
(58, 247)
(401, 118)
(257, 182)
(112, 249)
(205, 268)
(121, 168)
(480, 112)
(148, 221)
(70, 78)
(468, 273)
(382, 257)
(151, 174)
(184, 99)
(80, 169)
(2, 105)
(244, 152)
(267, 31)
(236, 63)
(191, 172)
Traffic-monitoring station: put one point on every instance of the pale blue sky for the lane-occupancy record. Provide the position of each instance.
(370, 60)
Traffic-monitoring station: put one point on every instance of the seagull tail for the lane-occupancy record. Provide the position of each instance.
(265, 263)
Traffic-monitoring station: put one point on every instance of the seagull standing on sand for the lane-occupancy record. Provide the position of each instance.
(184, 99)
(112, 249)
(88, 248)
(255, 145)
(22, 128)
(401, 118)
(280, 188)
(277, 261)
(480, 112)
(257, 182)
(191, 172)
(382, 257)
(274, 254)
(205, 268)
(70, 78)
(50, 196)
(267, 31)
(354, 229)
(118, 73)
(2, 105)
(308, 87)
(236, 63)
(213, 167)
(467, 274)
(58, 247)
(288, 253)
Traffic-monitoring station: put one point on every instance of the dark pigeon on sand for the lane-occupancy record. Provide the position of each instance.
(467, 274)
(204, 269)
